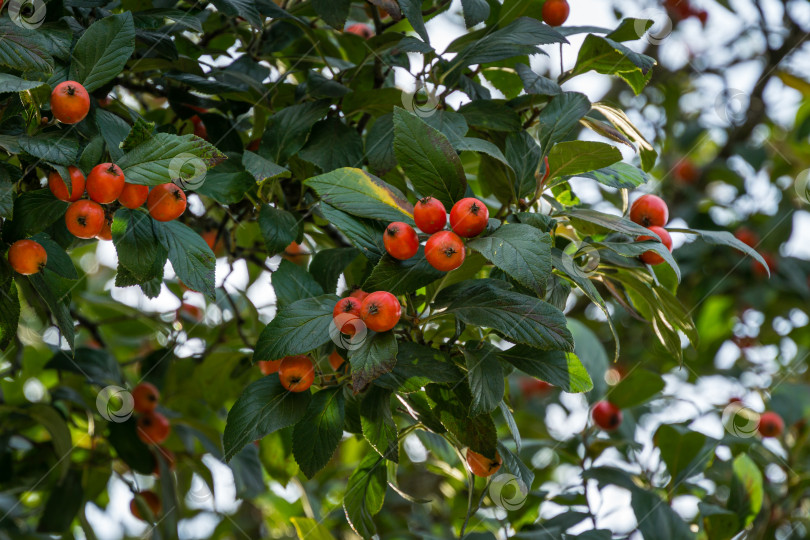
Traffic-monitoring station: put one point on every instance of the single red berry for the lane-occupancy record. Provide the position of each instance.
(651, 257)
(445, 251)
(346, 315)
(84, 219)
(27, 257)
(269, 366)
(771, 424)
(153, 428)
(133, 195)
(145, 397)
(105, 183)
(469, 217)
(166, 202)
(151, 500)
(296, 373)
(199, 127)
(430, 215)
(380, 311)
(70, 102)
(649, 210)
(555, 12)
(400, 240)
(481, 466)
(358, 293)
(360, 29)
(686, 172)
(606, 415)
(59, 188)
(335, 360)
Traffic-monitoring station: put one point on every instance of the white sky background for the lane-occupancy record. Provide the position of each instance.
(690, 41)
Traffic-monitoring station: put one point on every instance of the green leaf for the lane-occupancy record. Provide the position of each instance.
(723, 238)
(52, 420)
(561, 369)
(638, 387)
(21, 50)
(537, 84)
(287, 130)
(9, 312)
(166, 157)
(140, 132)
(520, 37)
(52, 147)
(155, 18)
(610, 57)
(365, 493)
(619, 175)
(333, 144)
(400, 277)
(378, 424)
(576, 157)
(560, 117)
(521, 251)
(92, 154)
(226, 183)
(620, 121)
(55, 292)
(412, 9)
(521, 318)
(310, 529)
(417, 366)
(485, 376)
(362, 194)
(634, 249)
(491, 115)
(263, 407)
(720, 523)
(34, 211)
(102, 51)
(11, 83)
(631, 29)
(123, 437)
(262, 169)
(114, 130)
(247, 9)
(292, 283)
(192, 259)
(136, 243)
(679, 447)
(747, 491)
(365, 234)
(475, 11)
(428, 159)
(318, 433)
(279, 228)
(523, 155)
(95, 365)
(452, 409)
(602, 223)
(328, 264)
(64, 502)
(299, 328)
(333, 12)
(518, 469)
(376, 355)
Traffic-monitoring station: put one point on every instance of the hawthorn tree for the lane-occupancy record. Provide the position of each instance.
(277, 150)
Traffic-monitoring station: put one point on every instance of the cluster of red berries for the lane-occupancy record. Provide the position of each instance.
(751, 239)
(444, 250)
(651, 211)
(683, 9)
(86, 218)
(379, 311)
(555, 12)
(153, 427)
